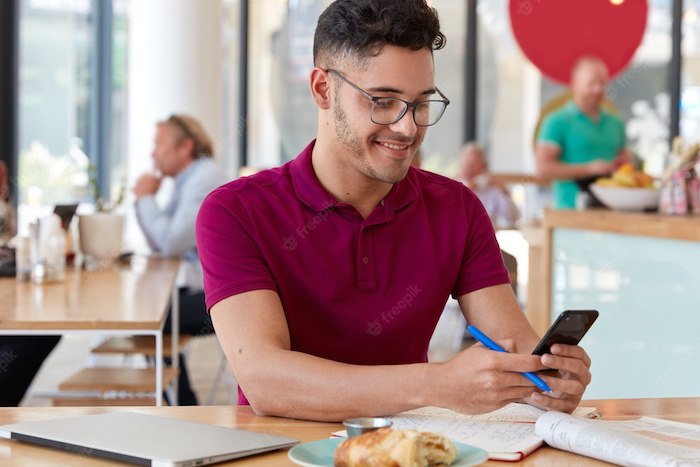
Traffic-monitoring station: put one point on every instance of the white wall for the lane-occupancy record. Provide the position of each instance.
(175, 66)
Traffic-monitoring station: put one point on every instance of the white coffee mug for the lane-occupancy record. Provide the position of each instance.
(101, 235)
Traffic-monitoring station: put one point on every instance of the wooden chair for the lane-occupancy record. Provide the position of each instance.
(124, 385)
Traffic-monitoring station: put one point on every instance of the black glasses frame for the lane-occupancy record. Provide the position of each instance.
(407, 104)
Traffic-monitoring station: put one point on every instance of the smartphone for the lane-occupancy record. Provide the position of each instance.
(569, 328)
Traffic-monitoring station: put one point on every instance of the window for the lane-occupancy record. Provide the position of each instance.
(282, 115)
(58, 102)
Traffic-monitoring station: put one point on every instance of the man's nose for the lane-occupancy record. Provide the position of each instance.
(406, 125)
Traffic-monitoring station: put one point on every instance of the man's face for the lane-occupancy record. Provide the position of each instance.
(588, 84)
(170, 155)
(473, 164)
(382, 152)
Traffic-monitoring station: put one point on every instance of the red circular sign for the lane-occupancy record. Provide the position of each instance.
(553, 34)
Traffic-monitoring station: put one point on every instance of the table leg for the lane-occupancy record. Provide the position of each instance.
(175, 333)
(159, 368)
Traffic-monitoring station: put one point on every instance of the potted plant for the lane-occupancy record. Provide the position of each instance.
(101, 232)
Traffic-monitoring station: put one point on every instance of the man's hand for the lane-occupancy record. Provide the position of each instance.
(568, 383)
(480, 380)
(623, 157)
(146, 185)
(601, 167)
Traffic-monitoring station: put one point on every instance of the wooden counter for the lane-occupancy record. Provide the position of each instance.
(23, 454)
(539, 237)
(630, 223)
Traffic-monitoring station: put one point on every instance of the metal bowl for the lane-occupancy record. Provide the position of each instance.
(358, 426)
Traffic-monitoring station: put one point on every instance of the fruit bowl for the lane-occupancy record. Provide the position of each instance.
(626, 199)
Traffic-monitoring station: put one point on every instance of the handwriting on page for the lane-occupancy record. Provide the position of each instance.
(487, 433)
(510, 413)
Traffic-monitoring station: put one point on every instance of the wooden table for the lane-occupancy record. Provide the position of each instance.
(21, 454)
(118, 299)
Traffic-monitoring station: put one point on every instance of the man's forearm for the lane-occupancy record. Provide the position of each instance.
(297, 385)
(563, 171)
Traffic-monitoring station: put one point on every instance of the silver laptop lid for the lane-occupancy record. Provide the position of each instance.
(145, 439)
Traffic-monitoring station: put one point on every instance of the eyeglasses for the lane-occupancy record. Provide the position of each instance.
(389, 110)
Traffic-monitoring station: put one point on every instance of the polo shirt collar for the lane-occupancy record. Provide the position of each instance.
(580, 114)
(310, 191)
(306, 185)
(573, 108)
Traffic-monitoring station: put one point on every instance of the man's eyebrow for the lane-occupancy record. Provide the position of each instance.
(427, 92)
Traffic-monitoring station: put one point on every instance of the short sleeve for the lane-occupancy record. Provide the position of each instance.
(482, 263)
(552, 130)
(232, 262)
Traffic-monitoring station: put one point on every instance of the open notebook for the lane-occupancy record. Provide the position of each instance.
(508, 434)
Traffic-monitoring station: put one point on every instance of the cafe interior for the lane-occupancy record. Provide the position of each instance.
(84, 85)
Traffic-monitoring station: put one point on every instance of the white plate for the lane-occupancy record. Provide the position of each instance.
(626, 199)
(320, 453)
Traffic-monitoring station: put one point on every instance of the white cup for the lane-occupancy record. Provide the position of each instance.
(101, 235)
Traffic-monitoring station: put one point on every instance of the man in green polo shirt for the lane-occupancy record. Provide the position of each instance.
(580, 141)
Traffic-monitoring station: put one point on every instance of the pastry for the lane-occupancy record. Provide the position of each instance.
(395, 448)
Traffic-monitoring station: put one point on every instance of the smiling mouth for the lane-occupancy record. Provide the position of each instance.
(394, 147)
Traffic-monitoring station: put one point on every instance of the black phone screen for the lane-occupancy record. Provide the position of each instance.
(569, 328)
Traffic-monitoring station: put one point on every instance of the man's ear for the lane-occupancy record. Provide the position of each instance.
(320, 88)
(187, 146)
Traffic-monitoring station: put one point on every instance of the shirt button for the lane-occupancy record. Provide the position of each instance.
(365, 260)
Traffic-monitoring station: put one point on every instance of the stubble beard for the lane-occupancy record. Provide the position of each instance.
(349, 139)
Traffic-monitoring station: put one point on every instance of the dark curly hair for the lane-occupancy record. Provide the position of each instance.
(358, 29)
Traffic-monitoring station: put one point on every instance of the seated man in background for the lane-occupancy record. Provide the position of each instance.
(184, 151)
(492, 192)
(21, 357)
(326, 277)
(495, 197)
(580, 142)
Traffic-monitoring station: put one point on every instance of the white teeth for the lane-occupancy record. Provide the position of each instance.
(394, 146)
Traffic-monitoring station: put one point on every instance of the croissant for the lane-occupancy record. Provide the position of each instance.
(395, 448)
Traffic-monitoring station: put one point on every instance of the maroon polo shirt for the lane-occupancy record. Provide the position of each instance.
(361, 291)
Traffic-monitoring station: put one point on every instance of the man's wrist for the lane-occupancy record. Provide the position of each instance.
(428, 384)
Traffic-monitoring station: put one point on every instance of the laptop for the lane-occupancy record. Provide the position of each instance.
(145, 439)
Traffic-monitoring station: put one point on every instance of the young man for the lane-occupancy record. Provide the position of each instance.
(580, 142)
(184, 151)
(325, 277)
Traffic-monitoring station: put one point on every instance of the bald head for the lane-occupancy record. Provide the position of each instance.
(588, 64)
(589, 77)
(473, 162)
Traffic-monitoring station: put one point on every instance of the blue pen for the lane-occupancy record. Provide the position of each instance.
(484, 339)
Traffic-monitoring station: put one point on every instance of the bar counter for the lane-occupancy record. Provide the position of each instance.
(641, 271)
